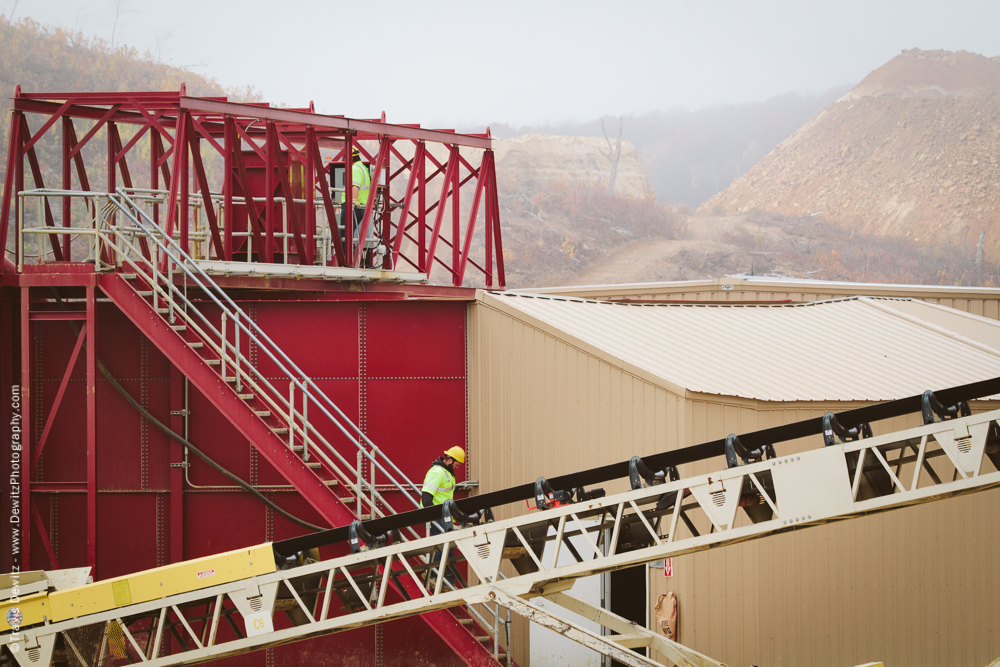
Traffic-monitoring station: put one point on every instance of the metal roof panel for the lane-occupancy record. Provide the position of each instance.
(841, 350)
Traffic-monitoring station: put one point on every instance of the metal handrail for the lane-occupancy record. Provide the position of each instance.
(257, 334)
(148, 228)
(273, 396)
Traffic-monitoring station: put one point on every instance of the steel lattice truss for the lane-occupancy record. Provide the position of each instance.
(276, 203)
(838, 482)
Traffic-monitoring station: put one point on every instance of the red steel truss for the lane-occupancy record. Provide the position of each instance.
(231, 183)
(419, 176)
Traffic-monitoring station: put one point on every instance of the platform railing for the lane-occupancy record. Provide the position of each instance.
(118, 226)
(199, 236)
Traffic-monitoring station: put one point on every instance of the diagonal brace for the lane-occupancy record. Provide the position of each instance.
(602, 645)
(677, 653)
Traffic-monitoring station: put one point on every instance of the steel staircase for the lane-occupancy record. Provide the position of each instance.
(147, 274)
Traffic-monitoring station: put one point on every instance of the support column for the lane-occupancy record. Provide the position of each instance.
(6, 413)
(67, 184)
(177, 420)
(180, 144)
(91, 436)
(25, 525)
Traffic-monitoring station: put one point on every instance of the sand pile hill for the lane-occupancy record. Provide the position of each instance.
(535, 160)
(913, 150)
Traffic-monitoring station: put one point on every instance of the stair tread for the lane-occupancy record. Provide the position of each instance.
(245, 397)
(129, 276)
(212, 362)
(179, 327)
(144, 292)
(197, 345)
(280, 431)
(262, 413)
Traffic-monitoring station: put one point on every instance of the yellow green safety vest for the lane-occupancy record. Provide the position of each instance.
(440, 484)
(361, 178)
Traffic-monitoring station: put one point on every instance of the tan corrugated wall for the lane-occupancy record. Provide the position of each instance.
(913, 587)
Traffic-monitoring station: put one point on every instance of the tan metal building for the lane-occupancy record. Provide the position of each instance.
(561, 384)
(977, 300)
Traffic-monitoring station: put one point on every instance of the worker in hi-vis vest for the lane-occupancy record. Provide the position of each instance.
(361, 183)
(439, 486)
(439, 482)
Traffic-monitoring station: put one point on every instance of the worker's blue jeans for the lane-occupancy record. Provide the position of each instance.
(437, 529)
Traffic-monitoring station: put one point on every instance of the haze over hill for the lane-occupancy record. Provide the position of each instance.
(912, 151)
(690, 155)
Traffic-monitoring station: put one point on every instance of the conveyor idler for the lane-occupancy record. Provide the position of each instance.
(751, 441)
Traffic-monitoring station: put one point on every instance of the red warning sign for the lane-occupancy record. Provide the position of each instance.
(668, 567)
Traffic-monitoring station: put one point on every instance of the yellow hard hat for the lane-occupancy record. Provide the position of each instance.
(456, 453)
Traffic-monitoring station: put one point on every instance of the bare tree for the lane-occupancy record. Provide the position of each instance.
(614, 154)
(160, 41)
(121, 9)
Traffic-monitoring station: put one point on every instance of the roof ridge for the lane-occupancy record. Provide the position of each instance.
(936, 328)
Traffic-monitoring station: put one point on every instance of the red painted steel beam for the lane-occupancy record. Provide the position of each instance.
(291, 215)
(206, 195)
(9, 193)
(253, 215)
(439, 218)
(225, 399)
(471, 227)
(109, 115)
(324, 188)
(36, 176)
(151, 119)
(366, 220)
(133, 141)
(58, 487)
(45, 127)
(45, 537)
(418, 159)
(497, 238)
(308, 184)
(59, 315)
(67, 184)
(269, 167)
(334, 122)
(347, 206)
(176, 471)
(91, 435)
(26, 417)
(59, 395)
(208, 135)
(456, 223)
(182, 161)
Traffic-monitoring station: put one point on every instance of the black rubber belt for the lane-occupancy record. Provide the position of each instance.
(706, 450)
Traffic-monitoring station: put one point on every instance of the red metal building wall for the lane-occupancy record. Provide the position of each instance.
(397, 368)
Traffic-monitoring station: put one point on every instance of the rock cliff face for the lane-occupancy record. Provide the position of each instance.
(535, 160)
(911, 151)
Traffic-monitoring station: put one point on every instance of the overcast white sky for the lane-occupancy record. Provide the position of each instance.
(527, 62)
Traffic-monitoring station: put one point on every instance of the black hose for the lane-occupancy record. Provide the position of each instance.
(197, 452)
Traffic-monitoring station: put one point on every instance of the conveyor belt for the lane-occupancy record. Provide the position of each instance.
(706, 450)
(229, 609)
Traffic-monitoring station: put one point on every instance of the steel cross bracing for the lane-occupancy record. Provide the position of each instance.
(292, 216)
(147, 275)
(838, 482)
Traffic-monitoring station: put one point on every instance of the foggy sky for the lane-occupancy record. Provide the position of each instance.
(465, 63)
